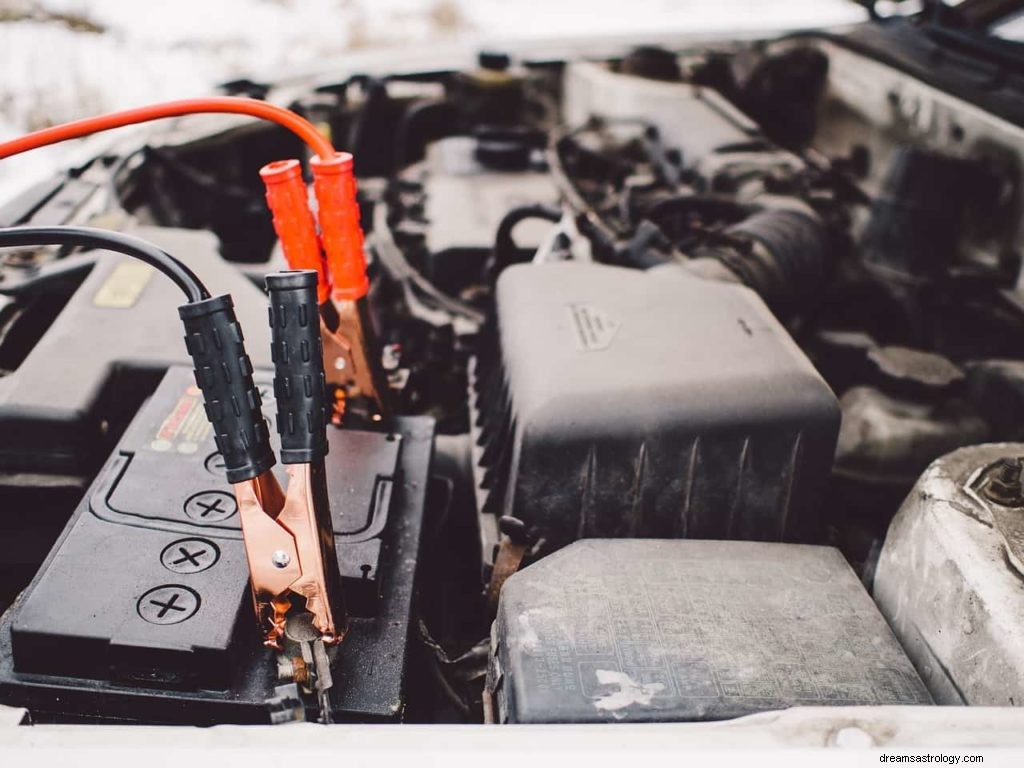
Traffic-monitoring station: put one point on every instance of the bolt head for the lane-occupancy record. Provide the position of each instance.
(1003, 485)
(391, 357)
(1010, 470)
(280, 559)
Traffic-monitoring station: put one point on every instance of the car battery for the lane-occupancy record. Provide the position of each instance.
(143, 611)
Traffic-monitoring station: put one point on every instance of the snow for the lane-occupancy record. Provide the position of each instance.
(153, 50)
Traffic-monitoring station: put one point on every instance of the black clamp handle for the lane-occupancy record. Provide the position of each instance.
(297, 351)
(223, 372)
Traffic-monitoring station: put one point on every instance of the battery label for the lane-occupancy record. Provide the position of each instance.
(185, 428)
(123, 286)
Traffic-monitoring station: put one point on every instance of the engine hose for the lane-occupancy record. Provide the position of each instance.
(784, 255)
(505, 248)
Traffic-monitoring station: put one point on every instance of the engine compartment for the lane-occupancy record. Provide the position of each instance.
(747, 295)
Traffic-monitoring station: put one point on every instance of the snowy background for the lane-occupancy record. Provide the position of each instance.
(64, 59)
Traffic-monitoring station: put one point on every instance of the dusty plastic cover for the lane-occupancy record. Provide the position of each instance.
(644, 630)
(108, 347)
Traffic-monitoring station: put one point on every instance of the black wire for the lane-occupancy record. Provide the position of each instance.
(114, 171)
(505, 249)
(89, 237)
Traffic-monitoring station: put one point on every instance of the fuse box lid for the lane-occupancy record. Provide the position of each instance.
(657, 630)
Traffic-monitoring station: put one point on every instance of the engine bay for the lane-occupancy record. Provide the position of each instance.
(683, 385)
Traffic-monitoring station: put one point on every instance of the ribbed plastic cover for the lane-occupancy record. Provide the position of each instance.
(618, 403)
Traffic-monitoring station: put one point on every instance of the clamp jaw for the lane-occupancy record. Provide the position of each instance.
(289, 539)
(287, 552)
(352, 354)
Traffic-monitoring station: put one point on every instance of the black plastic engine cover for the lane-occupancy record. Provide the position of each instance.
(143, 609)
(459, 203)
(642, 631)
(618, 403)
(110, 344)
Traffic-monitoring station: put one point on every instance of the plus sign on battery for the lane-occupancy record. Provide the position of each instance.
(210, 506)
(189, 555)
(169, 604)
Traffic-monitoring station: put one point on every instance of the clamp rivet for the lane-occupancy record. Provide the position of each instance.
(280, 558)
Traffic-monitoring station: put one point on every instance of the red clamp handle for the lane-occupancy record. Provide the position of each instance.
(288, 201)
(342, 238)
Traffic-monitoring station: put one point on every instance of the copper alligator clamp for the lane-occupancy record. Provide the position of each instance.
(352, 355)
(289, 539)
